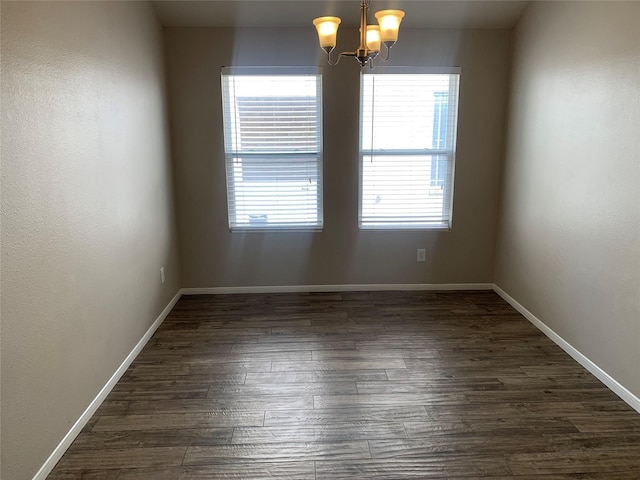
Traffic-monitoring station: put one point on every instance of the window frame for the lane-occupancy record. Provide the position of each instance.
(449, 150)
(315, 157)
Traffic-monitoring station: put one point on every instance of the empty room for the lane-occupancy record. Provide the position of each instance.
(320, 239)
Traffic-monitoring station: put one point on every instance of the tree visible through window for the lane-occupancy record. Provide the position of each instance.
(273, 147)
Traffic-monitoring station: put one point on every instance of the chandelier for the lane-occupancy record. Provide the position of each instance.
(371, 36)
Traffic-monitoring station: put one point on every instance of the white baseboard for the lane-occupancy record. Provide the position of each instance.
(604, 377)
(369, 287)
(77, 427)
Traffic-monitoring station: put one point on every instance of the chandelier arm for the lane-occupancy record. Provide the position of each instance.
(383, 57)
(362, 58)
(329, 58)
(343, 54)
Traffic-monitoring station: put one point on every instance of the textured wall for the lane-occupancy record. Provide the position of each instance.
(213, 257)
(569, 236)
(87, 216)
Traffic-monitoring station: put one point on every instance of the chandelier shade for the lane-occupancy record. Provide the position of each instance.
(372, 37)
(389, 21)
(327, 28)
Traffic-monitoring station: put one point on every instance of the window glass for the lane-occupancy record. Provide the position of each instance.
(273, 148)
(408, 128)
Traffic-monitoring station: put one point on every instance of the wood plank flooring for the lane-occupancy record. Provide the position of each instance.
(372, 385)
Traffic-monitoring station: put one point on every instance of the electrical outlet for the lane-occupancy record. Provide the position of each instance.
(421, 255)
(162, 275)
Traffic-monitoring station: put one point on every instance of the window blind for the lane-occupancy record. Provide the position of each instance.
(408, 125)
(273, 147)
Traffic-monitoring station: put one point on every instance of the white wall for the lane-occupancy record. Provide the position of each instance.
(87, 215)
(569, 236)
(341, 254)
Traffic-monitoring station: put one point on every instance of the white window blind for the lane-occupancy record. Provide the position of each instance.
(408, 125)
(273, 147)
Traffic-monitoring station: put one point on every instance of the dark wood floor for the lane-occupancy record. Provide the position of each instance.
(382, 385)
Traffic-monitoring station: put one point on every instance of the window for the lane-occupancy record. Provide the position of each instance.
(273, 147)
(408, 127)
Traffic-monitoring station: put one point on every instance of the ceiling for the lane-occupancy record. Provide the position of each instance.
(299, 13)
